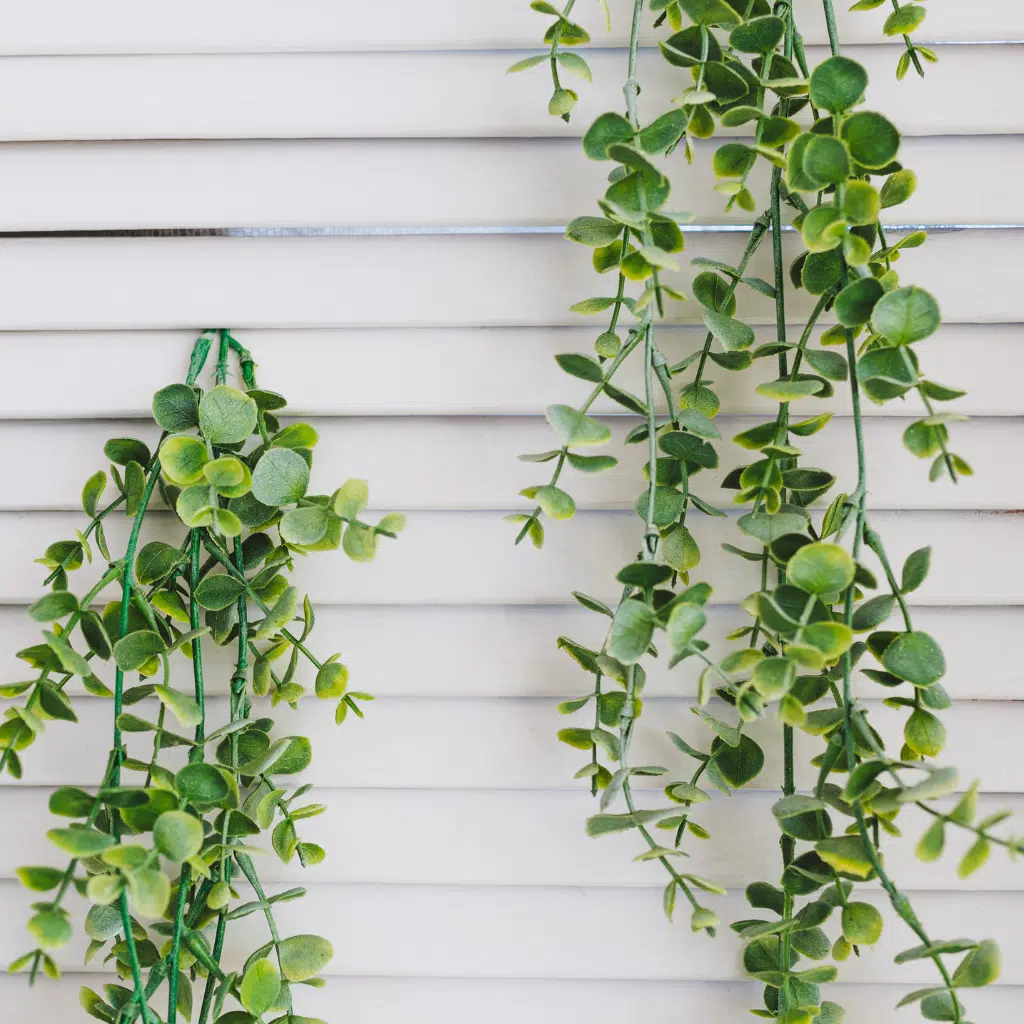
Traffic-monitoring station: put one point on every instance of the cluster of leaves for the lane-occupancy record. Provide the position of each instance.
(827, 614)
(905, 19)
(167, 848)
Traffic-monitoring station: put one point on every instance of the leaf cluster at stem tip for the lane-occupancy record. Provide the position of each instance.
(829, 645)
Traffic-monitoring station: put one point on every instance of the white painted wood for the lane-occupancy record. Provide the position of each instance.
(472, 371)
(511, 651)
(510, 744)
(566, 933)
(427, 95)
(492, 280)
(471, 463)
(506, 837)
(191, 26)
(600, 1001)
(300, 183)
(468, 558)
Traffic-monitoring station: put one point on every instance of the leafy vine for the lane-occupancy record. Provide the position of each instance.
(825, 613)
(238, 482)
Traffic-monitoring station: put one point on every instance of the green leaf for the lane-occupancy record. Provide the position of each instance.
(684, 623)
(259, 987)
(904, 20)
(178, 835)
(905, 315)
(631, 631)
(134, 650)
(581, 366)
(915, 569)
(915, 657)
(847, 854)
(837, 84)
(219, 591)
(156, 560)
(758, 35)
(608, 130)
(710, 12)
(736, 765)
(575, 427)
(821, 568)
(924, 733)
(855, 303)
(331, 680)
(53, 606)
(873, 140)
(593, 231)
(227, 415)
(92, 491)
(281, 477)
(40, 879)
(176, 408)
(733, 334)
(51, 929)
(228, 476)
(826, 160)
(304, 956)
(862, 924)
(70, 660)
(351, 498)
(201, 784)
(898, 188)
(788, 390)
(183, 707)
(280, 615)
(79, 841)
(182, 458)
(980, 967)
(527, 62)
(123, 450)
(303, 527)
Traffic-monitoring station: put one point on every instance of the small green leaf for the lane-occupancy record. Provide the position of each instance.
(227, 415)
(178, 835)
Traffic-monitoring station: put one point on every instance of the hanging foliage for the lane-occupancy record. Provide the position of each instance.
(822, 610)
(159, 849)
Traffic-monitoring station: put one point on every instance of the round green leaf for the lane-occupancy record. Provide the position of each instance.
(151, 891)
(304, 956)
(305, 526)
(872, 139)
(631, 631)
(826, 160)
(155, 561)
(178, 835)
(102, 923)
(51, 929)
(176, 408)
(182, 458)
(280, 477)
(575, 427)
(924, 733)
(134, 650)
(259, 988)
(219, 591)
(228, 476)
(227, 415)
(40, 879)
(759, 35)
(915, 657)
(555, 502)
(53, 606)
(122, 450)
(201, 784)
(821, 569)
(607, 130)
(856, 301)
(351, 498)
(80, 841)
(862, 924)
(193, 506)
(980, 967)
(906, 315)
(331, 680)
(860, 203)
(837, 84)
(737, 765)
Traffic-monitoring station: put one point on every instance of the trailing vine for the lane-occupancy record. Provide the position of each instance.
(820, 612)
(160, 855)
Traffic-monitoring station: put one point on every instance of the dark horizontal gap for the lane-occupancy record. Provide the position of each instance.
(439, 231)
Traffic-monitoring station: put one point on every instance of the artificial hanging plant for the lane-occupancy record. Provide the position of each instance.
(163, 851)
(819, 612)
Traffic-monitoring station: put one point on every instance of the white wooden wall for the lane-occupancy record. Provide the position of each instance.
(460, 886)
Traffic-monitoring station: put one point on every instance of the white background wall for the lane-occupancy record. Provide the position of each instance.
(460, 886)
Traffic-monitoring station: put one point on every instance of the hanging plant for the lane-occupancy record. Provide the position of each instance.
(159, 849)
(819, 612)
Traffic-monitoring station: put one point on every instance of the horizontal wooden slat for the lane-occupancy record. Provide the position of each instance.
(510, 744)
(473, 372)
(490, 281)
(480, 564)
(502, 837)
(382, 1000)
(460, 463)
(567, 933)
(511, 652)
(428, 95)
(99, 185)
(191, 26)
